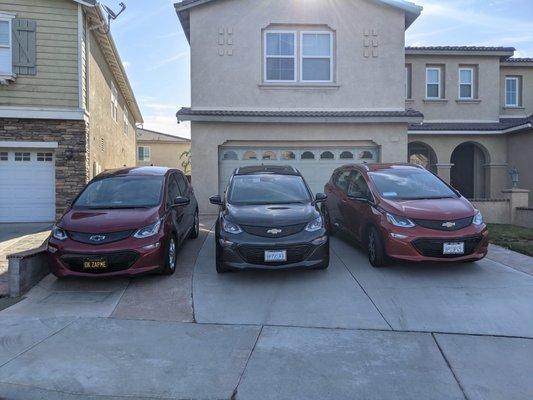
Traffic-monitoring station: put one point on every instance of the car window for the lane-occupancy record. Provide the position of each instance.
(268, 189)
(182, 183)
(173, 189)
(341, 180)
(121, 192)
(357, 186)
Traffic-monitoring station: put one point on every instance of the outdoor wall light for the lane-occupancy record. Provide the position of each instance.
(515, 175)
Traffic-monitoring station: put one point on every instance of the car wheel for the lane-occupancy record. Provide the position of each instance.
(195, 231)
(171, 256)
(330, 228)
(376, 249)
(219, 267)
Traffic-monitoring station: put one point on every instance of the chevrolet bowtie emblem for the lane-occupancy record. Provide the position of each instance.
(97, 238)
(448, 225)
(274, 231)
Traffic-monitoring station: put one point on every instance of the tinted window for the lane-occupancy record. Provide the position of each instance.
(410, 184)
(122, 192)
(173, 189)
(341, 180)
(268, 189)
(357, 186)
(182, 183)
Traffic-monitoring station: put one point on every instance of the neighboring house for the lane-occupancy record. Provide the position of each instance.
(67, 110)
(320, 84)
(160, 149)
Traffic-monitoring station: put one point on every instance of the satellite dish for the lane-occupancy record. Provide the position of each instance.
(111, 15)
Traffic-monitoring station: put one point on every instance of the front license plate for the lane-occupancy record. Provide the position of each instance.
(275, 256)
(453, 248)
(95, 264)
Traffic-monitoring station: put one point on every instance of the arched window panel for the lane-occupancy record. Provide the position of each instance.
(307, 155)
(327, 155)
(288, 155)
(230, 155)
(269, 155)
(250, 155)
(366, 155)
(346, 155)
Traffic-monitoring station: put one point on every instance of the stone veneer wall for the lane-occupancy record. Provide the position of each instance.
(71, 156)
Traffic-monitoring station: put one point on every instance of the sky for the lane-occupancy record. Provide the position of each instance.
(156, 54)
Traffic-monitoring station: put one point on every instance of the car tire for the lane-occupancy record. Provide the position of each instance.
(330, 228)
(377, 255)
(195, 231)
(171, 253)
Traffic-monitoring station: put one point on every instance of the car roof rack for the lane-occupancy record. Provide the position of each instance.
(267, 169)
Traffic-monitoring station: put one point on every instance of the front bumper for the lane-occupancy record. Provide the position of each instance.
(422, 244)
(305, 250)
(129, 257)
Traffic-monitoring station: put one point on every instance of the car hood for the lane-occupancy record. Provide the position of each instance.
(431, 209)
(271, 215)
(101, 221)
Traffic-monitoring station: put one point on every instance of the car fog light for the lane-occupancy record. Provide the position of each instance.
(398, 236)
(319, 241)
(225, 243)
(151, 246)
(52, 249)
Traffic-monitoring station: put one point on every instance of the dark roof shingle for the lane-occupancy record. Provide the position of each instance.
(462, 48)
(502, 125)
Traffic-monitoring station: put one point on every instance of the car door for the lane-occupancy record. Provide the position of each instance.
(336, 191)
(356, 208)
(177, 213)
(186, 190)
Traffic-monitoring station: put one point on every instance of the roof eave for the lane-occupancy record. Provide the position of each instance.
(502, 54)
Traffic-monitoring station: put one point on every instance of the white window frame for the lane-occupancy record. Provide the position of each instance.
(472, 88)
(439, 83)
(9, 19)
(265, 56)
(408, 81)
(517, 80)
(145, 157)
(114, 102)
(125, 128)
(301, 60)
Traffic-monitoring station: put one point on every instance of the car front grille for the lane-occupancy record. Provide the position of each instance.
(256, 255)
(273, 231)
(99, 238)
(119, 261)
(449, 225)
(434, 247)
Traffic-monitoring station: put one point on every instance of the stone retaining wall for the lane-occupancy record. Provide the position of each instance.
(524, 217)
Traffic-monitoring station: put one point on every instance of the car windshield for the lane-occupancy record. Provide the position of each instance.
(121, 192)
(410, 184)
(268, 189)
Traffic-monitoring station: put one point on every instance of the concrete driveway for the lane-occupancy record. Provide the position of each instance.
(404, 332)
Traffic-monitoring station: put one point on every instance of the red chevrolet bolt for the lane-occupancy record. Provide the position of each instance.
(404, 212)
(125, 222)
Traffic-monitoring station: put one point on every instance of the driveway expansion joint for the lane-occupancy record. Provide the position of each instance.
(235, 391)
(449, 366)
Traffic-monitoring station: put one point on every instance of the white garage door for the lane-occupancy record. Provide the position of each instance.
(27, 185)
(315, 164)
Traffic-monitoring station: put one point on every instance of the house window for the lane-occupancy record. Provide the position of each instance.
(126, 122)
(466, 83)
(114, 102)
(22, 157)
(408, 81)
(316, 56)
(280, 56)
(6, 57)
(3, 156)
(45, 157)
(433, 83)
(143, 153)
(512, 91)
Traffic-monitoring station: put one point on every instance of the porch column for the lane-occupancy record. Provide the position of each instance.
(444, 171)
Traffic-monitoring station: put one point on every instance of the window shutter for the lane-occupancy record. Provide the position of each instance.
(24, 46)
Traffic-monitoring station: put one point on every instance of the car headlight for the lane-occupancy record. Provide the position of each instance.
(230, 227)
(315, 225)
(478, 219)
(59, 233)
(401, 222)
(148, 231)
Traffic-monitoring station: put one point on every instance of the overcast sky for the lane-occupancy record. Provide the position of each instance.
(156, 53)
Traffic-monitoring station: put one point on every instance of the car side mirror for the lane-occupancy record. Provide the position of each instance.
(181, 201)
(216, 200)
(320, 198)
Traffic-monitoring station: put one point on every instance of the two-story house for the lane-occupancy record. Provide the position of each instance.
(156, 148)
(317, 84)
(67, 110)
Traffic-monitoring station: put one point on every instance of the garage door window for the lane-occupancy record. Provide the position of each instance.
(250, 155)
(366, 155)
(230, 155)
(22, 157)
(288, 155)
(3, 156)
(307, 155)
(327, 155)
(45, 157)
(346, 155)
(269, 155)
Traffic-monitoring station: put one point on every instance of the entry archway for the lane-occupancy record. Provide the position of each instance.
(468, 173)
(423, 154)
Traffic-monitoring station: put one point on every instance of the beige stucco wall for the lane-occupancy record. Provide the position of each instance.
(56, 82)
(208, 137)
(527, 90)
(235, 81)
(485, 108)
(493, 146)
(118, 149)
(494, 212)
(520, 151)
(165, 154)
